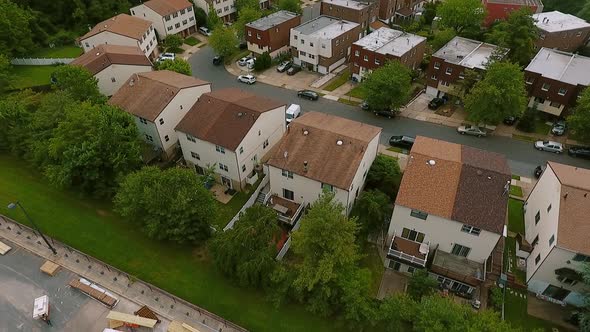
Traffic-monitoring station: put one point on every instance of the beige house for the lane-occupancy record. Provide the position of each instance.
(169, 17)
(322, 152)
(122, 30)
(159, 100)
(112, 65)
(451, 210)
(231, 130)
(557, 227)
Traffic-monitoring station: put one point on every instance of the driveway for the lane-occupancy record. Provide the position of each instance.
(522, 157)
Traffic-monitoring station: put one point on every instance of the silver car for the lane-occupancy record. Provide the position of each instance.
(471, 130)
(248, 79)
(549, 146)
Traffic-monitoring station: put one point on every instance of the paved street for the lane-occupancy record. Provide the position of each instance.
(523, 158)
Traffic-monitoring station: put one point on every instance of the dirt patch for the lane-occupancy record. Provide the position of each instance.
(103, 213)
(445, 111)
(201, 254)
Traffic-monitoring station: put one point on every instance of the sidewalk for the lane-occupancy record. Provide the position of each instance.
(116, 281)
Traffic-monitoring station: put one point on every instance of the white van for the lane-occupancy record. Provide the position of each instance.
(292, 112)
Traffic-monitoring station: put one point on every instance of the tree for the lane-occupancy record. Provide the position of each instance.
(441, 38)
(16, 37)
(373, 208)
(5, 73)
(242, 4)
(263, 62)
(200, 16)
(78, 82)
(213, 20)
(290, 5)
(584, 13)
(496, 298)
(388, 87)
(171, 204)
(223, 40)
(15, 115)
(172, 43)
(464, 86)
(579, 121)
(429, 12)
(397, 312)
(178, 65)
(501, 93)
(518, 33)
(585, 314)
(359, 307)
(245, 16)
(384, 175)
(421, 285)
(527, 122)
(247, 251)
(461, 15)
(92, 148)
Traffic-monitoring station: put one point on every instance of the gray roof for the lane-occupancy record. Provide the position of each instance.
(272, 20)
(467, 52)
(561, 66)
(348, 3)
(557, 21)
(325, 26)
(389, 41)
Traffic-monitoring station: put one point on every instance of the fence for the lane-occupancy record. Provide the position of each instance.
(287, 244)
(40, 61)
(249, 203)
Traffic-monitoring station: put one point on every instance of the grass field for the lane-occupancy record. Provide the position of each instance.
(373, 262)
(516, 191)
(356, 92)
(91, 227)
(26, 76)
(515, 216)
(338, 81)
(58, 52)
(515, 311)
(541, 127)
(348, 102)
(192, 41)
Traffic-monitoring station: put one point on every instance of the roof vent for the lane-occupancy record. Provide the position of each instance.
(489, 177)
(305, 166)
(339, 142)
(305, 132)
(285, 154)
(97, 53)
(132, 82)
(431, 162)
(240, 114)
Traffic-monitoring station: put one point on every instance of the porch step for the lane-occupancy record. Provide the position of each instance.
(260, 198)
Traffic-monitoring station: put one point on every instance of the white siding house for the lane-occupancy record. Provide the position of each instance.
(168, 16)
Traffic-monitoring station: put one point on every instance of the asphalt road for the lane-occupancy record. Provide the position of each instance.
(522, 157)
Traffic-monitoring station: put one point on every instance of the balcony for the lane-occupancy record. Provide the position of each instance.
(288, 211)
(412, 252)
(458, 268)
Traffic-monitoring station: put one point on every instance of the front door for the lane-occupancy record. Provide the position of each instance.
(226, 182)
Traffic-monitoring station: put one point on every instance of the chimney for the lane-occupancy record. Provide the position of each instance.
(305, 166)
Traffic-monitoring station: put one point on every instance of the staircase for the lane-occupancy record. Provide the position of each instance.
(260, 198)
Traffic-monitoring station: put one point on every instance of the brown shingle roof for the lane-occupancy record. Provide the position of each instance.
(121, 24)
(147, 94)
(574, 209)
(463, 184)
(167, 7)
(224, 117)
(103, 56)
(313, 138)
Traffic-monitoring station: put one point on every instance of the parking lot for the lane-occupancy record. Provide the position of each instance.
(21, 282)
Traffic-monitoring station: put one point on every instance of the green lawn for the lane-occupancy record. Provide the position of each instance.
(192, 41)
(515, 216)
(27, 76)
(541, 127)
(516, 191)
(58, 52)
(396, 149)
(373, 262)
(510, 247)
(91, 227)
(356, 92)
(515, 177)
(338, 81)
(515, 311)
(524, 138)
(348, 102)
(229, 210)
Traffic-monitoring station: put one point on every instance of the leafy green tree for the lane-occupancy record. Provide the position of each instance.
(178, 65)
(290, 5)
(15, 115)
(263, 62)
(169, 204)
(358, 306)
(223, 40)
(496, 298)
(5, 73)
(388, 87)
(252, 4)
(172, 43)
(78, 82)
(461, 15)
(16, 37)
(245, 16)
(579, 121)
(585, 314)
(200, 16)
(464, 86)
(373, 208)
(247, 252)
(518, 33)
(584, 13)
(527, 122)
(421, 285)
(213, 20)
(501, 93)
(384, 175)
(429, 12)
(92, 148)
(397, 313)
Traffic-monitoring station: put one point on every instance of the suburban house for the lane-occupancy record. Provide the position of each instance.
(382, 45)
(231, 130)
(448, 64)
(499, 10)
(555, 79)
(387, 10)
(271, 33)
(557, 226)
(322, 152)
(450, 211)
(169, 17)
(361, 12)
(112, 65)
(407, 9)
(561, 31)
(123, 30)
(158, 100)
(323, 44)
(225, 9)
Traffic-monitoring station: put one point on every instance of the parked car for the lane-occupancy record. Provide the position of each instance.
(538, 171)
(217, 60)
(402, 141)
(579, 151)
(166, 56)
(248, 79)
(293, 70)
(284, 66)
(471, 130)
(558, 128)
(292, 112)
(386, 113)
(510, 120)
(365, 105)
(435, 103)
(244, 61)
(308, 94)
(549, 146)
(250, 63)
(205, 31)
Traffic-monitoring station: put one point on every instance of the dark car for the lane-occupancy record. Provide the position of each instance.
(386, 113)
(436, 103)
(558, 128)
(284, 66)
(217, 60)
(365, 106)
(579, 151)
(405, 142)
(308, 94)
(538, 171)
(510, 120)
(293, 70)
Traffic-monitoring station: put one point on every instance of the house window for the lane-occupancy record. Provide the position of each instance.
(191, 18)
(243, 168)
(529, 80)
(567, 280)
(535, 241)
(223, 167)
(132, 12)
(169, 28)
(175, 15)
(449, 71)
(161, 121)
(195, 155)
(327, 187)
(549, 208)
(581, 258)
(241, 149)
(302, 41)
(184, 22)
(461, 75)
(460, 250)
(295, 37)
(470, 230)
(166, 138)
(413, 235)
(265, 144)
(433, 77)
(444, 83)
(311, 44)
(182, 11)
(545, 87)
(542, 36)
(149, 138)
(357, 53)
(249, 33)
(337, 42)
(419, 214)
(113, 80)
(257, 36)
(437, 65)
(579, 34)
(302, 53)
(562, 91)
(377, 61)
(288, 194)
(411, 269)
(287, 174)
(311, 56)
(537, 217)
(191, 138)
(220, 149)
(539, 100)
(552, 239)
(167, 17)
(323, 45)
(189, 9)
(177, 25)
(555, 104)
(537, 259)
